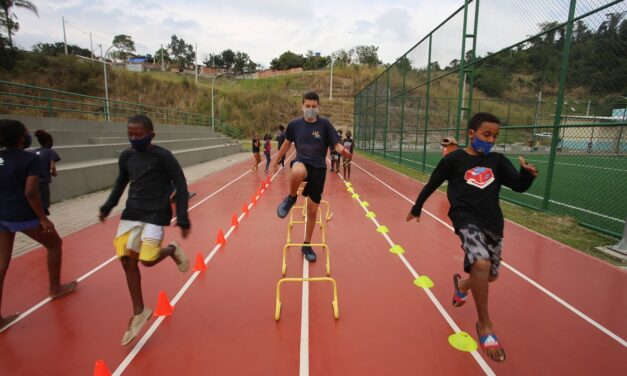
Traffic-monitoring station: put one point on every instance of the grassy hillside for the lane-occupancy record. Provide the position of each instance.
(259, 105)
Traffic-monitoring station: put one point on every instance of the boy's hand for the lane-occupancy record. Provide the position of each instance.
(527, 166)
(102, 217)
(410, 216)
(46, 226)
(185, 232)
(53, 172)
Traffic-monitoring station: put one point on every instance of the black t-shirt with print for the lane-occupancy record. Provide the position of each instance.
(312, 140)
(47, 155)
(474, 183)
(15, 167)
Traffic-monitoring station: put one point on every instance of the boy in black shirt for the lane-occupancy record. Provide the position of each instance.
(474, 179)
(312, 135)
(151, 170)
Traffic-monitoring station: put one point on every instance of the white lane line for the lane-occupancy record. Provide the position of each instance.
(304, 324)
(45, 301)
(516, 271)
(153, 328)
(482, 363)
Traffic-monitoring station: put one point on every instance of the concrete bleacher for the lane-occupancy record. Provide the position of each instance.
(89, 150)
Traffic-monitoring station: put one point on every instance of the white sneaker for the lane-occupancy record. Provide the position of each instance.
(179, 256)
(135, 326)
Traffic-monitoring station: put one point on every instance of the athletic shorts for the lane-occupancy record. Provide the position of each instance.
(315, 181)
(347, 161)
(6, 226)
(480, 244)
(138, 237)
(335, 157)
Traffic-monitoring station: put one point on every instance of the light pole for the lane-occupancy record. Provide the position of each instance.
(331, 81)
(104, 65)
(212, 116)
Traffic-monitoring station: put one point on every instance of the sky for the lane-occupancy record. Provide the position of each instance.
(263, 29)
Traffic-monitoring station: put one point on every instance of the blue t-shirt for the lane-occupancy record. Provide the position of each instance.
(47, 155)
(312, 140)
(15, 167)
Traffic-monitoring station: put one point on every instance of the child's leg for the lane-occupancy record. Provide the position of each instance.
(53, 244)
(6, 247)
(165, 252)
(298, 174)
(312, 210)
(349, 170)
(134, 282)
(267, 161)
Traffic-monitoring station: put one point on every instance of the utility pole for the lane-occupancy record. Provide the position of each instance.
(64, 38)
(162, 65)
(196, 62)
(91, 45)
(331, 82)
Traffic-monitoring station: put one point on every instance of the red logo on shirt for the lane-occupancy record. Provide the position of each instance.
(479, 177)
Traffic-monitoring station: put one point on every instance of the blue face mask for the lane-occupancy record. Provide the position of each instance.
(480, 146)
(28, 141)
(141, 144)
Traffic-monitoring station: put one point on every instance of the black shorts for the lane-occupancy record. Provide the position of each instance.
(315, 181)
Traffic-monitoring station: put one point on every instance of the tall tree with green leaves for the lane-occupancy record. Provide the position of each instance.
(9, 17)
(125, 45)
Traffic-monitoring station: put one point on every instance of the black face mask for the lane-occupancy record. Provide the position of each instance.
(142, 143)
(28, 141)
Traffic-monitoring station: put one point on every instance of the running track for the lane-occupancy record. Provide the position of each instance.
(572, 321)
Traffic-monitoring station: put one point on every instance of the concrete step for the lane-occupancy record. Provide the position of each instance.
(82, 153)
(118, 139)
(78, 137)
(75, 179)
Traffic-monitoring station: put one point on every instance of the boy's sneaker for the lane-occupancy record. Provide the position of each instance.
(309, 253)
(285, 206)
(135, 326)
(179, 257)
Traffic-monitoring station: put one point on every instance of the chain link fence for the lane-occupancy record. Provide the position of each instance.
(554, 72)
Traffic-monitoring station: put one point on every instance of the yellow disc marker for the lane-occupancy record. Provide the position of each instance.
(462, 341)
(365, 204)
(355, 195)
(349, 184)
(397, 249)
(383, 229)
(424, 282)
(350, 190)
(371, 214)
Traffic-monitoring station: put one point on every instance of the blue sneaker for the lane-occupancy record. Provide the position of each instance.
(285, 206)
(309, 253)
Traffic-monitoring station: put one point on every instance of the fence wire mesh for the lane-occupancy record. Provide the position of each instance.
(554, 72)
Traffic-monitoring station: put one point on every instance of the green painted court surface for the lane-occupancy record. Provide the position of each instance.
(592, 189)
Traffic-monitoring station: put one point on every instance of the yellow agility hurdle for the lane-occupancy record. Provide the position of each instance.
(334, 303)
(287, 246)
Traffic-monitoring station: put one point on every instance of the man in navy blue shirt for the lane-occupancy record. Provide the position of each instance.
(312, 135)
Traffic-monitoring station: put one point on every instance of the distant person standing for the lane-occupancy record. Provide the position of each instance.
(256, 149)
(50, 159)
(280, 139)
(348, 145)
(267, 147)
(449, 145)
(21, 209)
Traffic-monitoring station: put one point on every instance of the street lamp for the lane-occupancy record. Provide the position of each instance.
(212, 116)
(104, 65)
(331, 81)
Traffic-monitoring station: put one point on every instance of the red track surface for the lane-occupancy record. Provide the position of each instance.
(224, 323)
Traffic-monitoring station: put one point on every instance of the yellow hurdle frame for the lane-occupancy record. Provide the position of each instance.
(323, 246)
(334, 303)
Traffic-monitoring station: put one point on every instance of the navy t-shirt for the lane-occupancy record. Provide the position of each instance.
(312, 140)
(47, 155)
(15, 166)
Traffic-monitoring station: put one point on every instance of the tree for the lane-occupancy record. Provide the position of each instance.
(368, 55)
(166, 56)
(241, 62)
(213, 60)
(343, 57)
(287, 60)
(315, 61)
(9, 19)
(58, 48)
(228, 58)
(125, 46)
(181, 52)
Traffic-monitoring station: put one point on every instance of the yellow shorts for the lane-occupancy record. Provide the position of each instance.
(140, 238)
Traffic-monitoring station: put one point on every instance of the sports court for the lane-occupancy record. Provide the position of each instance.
(556, 311)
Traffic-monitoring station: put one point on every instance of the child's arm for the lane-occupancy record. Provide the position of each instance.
(118, 188)
(284, 149)
(31, 191)
(53, 168)
(517, 181)
(176, 174)
(340, 149)
(439, 175)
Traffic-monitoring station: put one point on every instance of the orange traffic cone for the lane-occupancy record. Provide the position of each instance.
(101, 369)
(163, 306)
(200, 263)
(234, 221)
(245, 209)
(268, 181)
(220, 239)
(259, 192)
(263, 186)
(253, 199)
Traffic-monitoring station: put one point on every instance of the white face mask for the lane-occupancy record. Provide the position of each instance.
(310, 113)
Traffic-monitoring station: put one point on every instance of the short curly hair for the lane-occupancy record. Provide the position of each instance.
(10, 133)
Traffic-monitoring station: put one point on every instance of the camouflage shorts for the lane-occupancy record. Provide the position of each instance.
(480, 244)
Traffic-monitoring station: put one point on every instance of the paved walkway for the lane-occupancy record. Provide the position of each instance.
(72, 215)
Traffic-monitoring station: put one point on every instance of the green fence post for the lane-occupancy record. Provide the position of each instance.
(387, 113)
(418, 121)
(400, 150)
(462, 72)
(427, 104)
(374, 116)
(560, 103)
